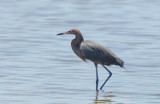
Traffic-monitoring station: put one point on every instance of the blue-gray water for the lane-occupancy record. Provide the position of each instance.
(39, 67)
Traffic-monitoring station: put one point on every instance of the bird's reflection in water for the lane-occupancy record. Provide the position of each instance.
(106, 98)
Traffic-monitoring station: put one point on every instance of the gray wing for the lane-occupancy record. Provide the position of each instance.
(99, 54)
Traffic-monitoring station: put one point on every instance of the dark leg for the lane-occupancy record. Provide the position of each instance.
(97, 80)
(110, 74)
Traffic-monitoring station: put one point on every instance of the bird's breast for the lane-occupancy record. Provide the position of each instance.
(77, 51)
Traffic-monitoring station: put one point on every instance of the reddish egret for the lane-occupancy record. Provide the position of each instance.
(90, 50)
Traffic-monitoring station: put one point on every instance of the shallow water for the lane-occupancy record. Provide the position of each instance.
(39, 67)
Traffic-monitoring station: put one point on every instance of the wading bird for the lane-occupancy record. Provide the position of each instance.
(90, 50)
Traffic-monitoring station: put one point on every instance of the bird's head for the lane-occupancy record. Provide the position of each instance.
(72, 31)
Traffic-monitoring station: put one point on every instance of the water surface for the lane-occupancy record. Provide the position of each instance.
(39, 67)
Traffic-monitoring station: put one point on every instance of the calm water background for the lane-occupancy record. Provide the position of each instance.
(39, 67)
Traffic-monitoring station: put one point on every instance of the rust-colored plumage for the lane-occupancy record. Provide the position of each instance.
(90, 50)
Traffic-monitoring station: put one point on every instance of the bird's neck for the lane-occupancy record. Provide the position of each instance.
(78, 39)
(76, 46)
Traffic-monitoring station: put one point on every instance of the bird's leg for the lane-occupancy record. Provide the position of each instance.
(110, 74)
(97, 80)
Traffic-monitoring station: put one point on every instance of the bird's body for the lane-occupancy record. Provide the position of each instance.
(99, 54)
(90, 50)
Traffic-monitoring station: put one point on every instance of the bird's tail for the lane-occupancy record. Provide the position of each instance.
(120, 62)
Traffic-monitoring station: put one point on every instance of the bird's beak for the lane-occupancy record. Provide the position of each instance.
(63, 33)
(60, 34)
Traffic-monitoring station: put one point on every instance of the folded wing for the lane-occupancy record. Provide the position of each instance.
(99, 54)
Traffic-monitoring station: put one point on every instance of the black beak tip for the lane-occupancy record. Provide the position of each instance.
(60, 34)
